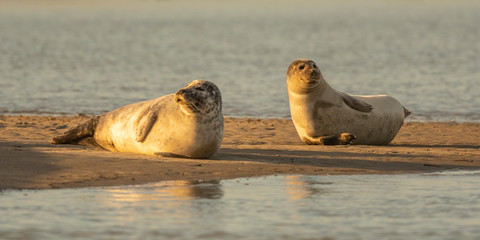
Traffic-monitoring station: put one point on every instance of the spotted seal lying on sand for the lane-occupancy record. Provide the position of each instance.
(188, 123)
(323, 115)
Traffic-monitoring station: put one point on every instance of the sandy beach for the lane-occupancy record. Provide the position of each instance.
(251, 147)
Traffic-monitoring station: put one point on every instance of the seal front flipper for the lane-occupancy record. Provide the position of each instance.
(167, 154)
(356, 103)
(144, 126)
(86, 129)
(340, 139)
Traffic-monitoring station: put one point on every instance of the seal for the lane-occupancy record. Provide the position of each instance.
(188, 123)
(323, 115)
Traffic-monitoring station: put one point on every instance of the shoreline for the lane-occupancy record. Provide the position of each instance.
(250, 148)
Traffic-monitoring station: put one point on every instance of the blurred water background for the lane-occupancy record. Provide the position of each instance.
(420, 206)
(69, 57)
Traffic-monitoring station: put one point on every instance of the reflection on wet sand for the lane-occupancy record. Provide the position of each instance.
(180, 190)
(299, 187)
(296, 188)
(168, 196)
(182, 200)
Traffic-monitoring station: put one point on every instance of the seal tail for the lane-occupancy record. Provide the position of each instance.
(86, 129)
(407, 112)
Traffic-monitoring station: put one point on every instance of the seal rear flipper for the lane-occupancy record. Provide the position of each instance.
(356, 103)
(340, 139)
(145, 124)
(407, 112)
(74, 135)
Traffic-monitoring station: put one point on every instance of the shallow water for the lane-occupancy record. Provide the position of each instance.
(93, 59)
(426, 206)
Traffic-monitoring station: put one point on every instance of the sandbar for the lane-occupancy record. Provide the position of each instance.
(250, 148)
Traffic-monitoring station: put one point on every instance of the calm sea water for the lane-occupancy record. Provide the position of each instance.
(82, 58)
(428, 206)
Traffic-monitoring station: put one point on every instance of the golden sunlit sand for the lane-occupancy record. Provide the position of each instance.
(251, 147)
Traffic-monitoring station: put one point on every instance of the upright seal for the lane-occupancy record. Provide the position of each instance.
(188, 123)
(323, 115)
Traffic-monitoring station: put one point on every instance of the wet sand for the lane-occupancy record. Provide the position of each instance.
(251, 147)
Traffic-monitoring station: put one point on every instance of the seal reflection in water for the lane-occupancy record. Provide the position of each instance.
(188, 123)
(323, 115)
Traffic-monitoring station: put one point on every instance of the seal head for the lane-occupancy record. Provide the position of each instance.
(199, 97)
(304, 75)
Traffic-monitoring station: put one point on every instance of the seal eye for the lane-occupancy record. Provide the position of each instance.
(301, 67)
(314, 66)
(199, 89)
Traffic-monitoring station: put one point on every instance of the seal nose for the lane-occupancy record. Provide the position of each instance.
(177, 98)
(179, 95)
(184, 92)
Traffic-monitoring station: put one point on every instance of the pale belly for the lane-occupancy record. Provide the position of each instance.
(377, 127)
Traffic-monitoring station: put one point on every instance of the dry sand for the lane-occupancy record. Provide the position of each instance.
(251, 147)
